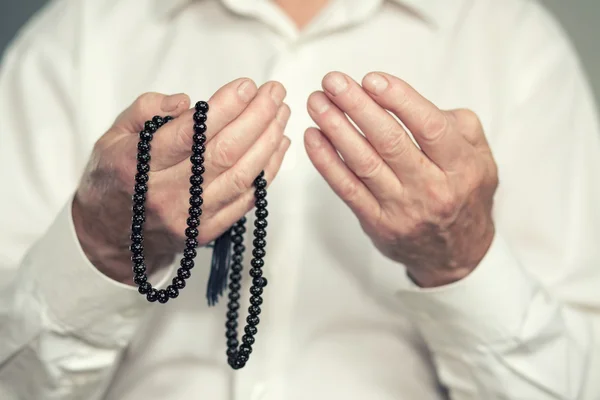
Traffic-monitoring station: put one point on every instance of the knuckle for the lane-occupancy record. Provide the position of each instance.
(349, 190)
(358, 103)
(222, 156)
(396, 146)
(143, 103)
(435, 126)
(240, 182)
(468, 118)
(370, 167)
(444, 204)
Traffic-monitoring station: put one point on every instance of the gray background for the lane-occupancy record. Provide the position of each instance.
(579, 17)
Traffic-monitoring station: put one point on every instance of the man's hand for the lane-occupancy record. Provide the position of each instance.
(427, 206)
(244, 136)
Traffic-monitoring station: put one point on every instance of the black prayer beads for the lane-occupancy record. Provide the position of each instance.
(223, 260)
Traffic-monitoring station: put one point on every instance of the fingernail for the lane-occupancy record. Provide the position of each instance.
(319, 103)
(375, 83)
(335, 83)
(247, 90)
(313, 138)
(282, 115)
(172, 102)
(277, 93)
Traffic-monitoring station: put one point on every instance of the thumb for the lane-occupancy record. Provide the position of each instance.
(147, 106)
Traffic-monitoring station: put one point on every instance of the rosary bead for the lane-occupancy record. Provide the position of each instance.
(137, 258)
(233, 305)
(178, 283)
(141, 188)
(150, 126)
(231, 353)
(258, 253)
(183, 273)
(260, 183)
(138, 208)
(146, 135)
(172, 291)
(245, 350)
(144, 146)
(198, 170)
(248, 339)
(256, 300)
(237, 268)
(239, 363)
(242, 220)
(144, 288)
(198, 149)
(201, 106)
(231, 315)
(264, 281)
(186, 263)
(136, 248)
(193, 222)
(196, 190)
(143, 167)
(252, 320)
(138, 219)
(259, 243)
(234, 286)
(260, 193)
(251, 330)
(235, 277)
(239, 248)
(260, 233)
(229, 333)
(196, 201)
(256, 291)
(260, 223)
(261, 213)
(254, 310)
(200, 117)
(139, 268)
(152, 295)
(189, 253)
(143, 158)
(196, 180)
(191, 232)
(195, 212)
(199, 137)
(162, 296)
(237, 258)
(158, 121)
(257, 263)
(139, 198)
(234, 296)
(261, 203)
(191, 243)
(136, 228)
(239, 229)
(259, 282)
(168, 118)
(237, 239)
(140, 278)
(137, 238)
(256, 272)
(141, 178)
(232, 342)
(196, 159)
(231, 324)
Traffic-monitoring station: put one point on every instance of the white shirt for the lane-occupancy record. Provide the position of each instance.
(339, 321)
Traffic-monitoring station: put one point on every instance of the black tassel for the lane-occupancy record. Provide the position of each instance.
(219, 268)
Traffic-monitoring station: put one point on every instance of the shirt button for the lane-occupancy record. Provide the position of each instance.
(259, 392)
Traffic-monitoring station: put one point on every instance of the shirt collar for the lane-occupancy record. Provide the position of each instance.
(436, 12)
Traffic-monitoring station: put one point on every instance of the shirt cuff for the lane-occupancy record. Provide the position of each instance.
(73, 294)
(488, 306)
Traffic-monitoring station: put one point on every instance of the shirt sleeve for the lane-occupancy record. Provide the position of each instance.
(63, 324)
(526, 323)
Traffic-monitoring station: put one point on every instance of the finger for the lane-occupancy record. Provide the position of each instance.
(227, 216)
(429, 125)
(173, 142)
(469, 126)
(358, 154)
(232, 142)
(238, 179)
(385, 133)
(146, 106)
(341, 179)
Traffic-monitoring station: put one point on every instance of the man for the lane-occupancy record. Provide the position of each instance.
(417, 288)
